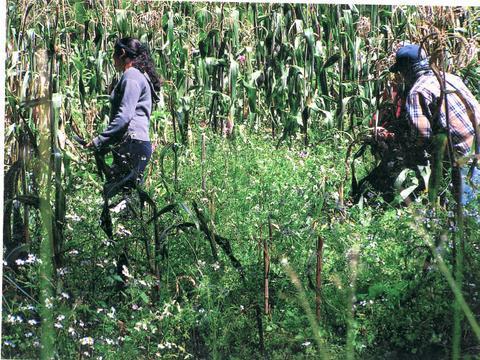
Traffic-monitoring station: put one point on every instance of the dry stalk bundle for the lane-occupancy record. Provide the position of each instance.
(363, 27)
(150, 19)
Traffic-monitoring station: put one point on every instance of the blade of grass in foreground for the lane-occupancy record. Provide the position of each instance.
(302, 297)
(448, 276)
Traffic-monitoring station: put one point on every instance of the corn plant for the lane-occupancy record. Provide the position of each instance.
(295, 76)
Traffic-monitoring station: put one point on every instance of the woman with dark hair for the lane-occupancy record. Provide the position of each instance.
(127, 134)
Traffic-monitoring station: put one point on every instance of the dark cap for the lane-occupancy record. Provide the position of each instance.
(407, 55)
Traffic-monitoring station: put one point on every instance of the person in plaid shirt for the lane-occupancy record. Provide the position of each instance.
(422, 104)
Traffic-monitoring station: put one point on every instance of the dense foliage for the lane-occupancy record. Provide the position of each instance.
(261, 104)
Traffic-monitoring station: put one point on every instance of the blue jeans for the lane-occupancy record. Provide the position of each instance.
(130, 158)
(470, 188)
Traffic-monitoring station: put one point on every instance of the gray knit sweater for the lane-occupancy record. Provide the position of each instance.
(131, 106)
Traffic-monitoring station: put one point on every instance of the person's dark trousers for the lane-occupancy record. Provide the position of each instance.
(130, 159)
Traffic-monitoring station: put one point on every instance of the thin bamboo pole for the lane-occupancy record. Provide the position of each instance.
(349, 348)
(266, 266)
(318, 298)
(43, 173)
(203, 159)
(3, 20)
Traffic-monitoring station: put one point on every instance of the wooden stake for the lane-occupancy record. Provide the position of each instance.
(43, 172)
(266, 264)
(204, 156)
(318, 298)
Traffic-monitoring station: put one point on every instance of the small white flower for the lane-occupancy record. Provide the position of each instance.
(107, 243)
(126, 272)
(73, 252)
(109, 341)
(86, 341)
(60, 317)
(62, 271)
(65, 295)
(71, 331)
(140, 326)
(284, 261)
(9, 343)
(14, 319)
(29, 334)
(32, 322)
(58, 325)
(73, 217)
(32, 259)
(48, 303)
(111, 314)
(201, 263)
(216, 266)
(20, 262)
(307, 343)
(120, 206)
(122, 231)
(135, 307)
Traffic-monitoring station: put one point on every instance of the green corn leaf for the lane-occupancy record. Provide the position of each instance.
(310, 36)
(298, 118)
(170, 36)
(211, 62)
(233, 78)
(406, 192)
(329, 117)
(187, 209)
(425, 173)
(225, 97)
(80, 12)
(299, 26)
(121, 18)
(235, 26)
(201, 16)
(144, 297)
(402, 177)
(439, 143)
(331, 60)
(25, 83)
(81, 88)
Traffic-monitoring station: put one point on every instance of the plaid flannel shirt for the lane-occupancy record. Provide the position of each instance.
(462, 108)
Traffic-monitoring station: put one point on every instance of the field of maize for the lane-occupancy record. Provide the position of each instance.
(252, 246)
